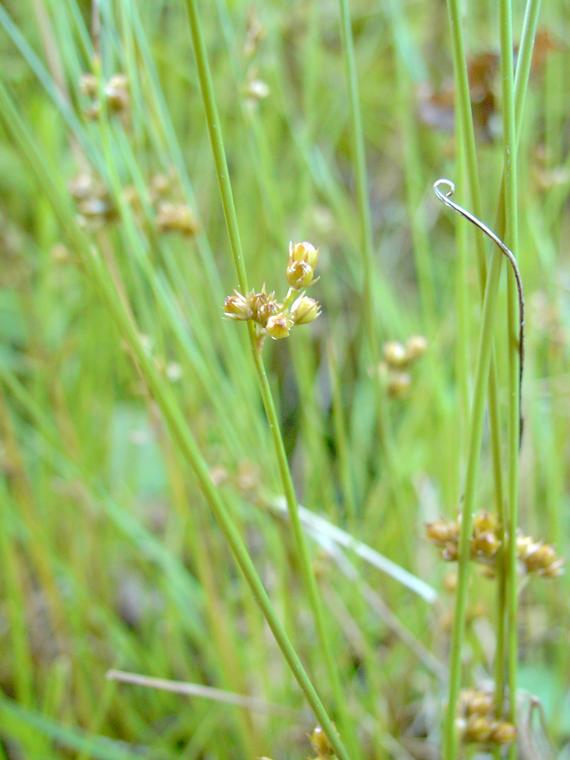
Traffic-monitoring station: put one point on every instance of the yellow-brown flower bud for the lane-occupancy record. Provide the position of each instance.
(88, 85)
(478, 729)
(441, 531)
(399, 384)
(279, 326)
(304, 310)
(395, 354)
(117, 93)
(416, 346)
(479, 703)
(486, 544)
(485, 522)
(176, 217)
(321, 744)
(237, 307)
(300, 274)
(305, 252)
(503, 733)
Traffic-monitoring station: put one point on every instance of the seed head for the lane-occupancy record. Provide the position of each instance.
(279, 326)
(263, 305)
(237, 307)
(176, 217)
(304, 310)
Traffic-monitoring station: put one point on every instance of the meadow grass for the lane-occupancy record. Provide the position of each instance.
(245, 519)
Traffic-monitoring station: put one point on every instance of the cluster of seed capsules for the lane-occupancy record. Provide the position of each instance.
(114, 94)
(535, 557)
(96, 208)
(277, 318)
(476, 722)
(398, 360)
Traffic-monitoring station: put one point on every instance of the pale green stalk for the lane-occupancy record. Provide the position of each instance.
(361, 181)
(511, 219)
(518, 97)
(466, 130)
(475, 434)
(225, 188)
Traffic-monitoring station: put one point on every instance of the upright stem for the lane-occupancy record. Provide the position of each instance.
(476, 429)
(361, 178)
(224, 184)
(511, 226)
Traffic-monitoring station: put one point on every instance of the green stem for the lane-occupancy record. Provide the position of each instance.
(476, 429)
(361, 178)
(511, 219)
(225, 187)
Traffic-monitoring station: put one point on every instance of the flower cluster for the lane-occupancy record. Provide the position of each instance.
(94, 205)
(172, 215)
(485, 542)
(271, 316)
(477, 724)
(115, 93)
(398, 358)
(534, 556)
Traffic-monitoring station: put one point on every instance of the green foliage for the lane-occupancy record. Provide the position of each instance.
(137, 461)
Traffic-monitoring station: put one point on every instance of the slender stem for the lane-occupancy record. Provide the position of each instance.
(524, 60)
(511, 226)
(476, 428)
(465, 129)
(361, 178)
(225, 187)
